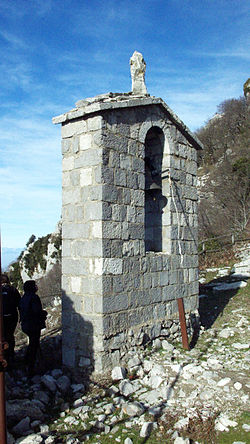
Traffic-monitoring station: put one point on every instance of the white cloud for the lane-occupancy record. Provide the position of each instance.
(13, 40)
(30, 177)
(240, 52)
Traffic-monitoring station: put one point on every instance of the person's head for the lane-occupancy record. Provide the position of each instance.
(5, 279)
(30, 286)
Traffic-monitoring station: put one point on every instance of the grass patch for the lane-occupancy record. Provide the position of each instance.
(237, 300)
(210, 276)
(236, 433)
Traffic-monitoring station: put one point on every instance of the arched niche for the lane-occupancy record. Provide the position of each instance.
(154, 200)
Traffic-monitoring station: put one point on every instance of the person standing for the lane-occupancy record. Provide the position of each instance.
(32, 321)
(11, 300)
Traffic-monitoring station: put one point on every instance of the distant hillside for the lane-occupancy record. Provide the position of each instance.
(224, 171)
(9, 255)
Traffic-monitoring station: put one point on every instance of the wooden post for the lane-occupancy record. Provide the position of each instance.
(182, 318)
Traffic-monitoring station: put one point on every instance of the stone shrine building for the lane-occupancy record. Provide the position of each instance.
(129, 224)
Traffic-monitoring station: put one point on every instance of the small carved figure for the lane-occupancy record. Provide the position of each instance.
(137, 69)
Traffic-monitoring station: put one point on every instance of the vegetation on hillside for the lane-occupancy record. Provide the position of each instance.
(36, 255)
(225, 171)
(34, 259)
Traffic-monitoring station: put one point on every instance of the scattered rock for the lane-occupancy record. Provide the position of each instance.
(31, 439)
(118, 373)
(10, 438)
(77, 387)
(133, 408)
(223, 382)
(180, 440)
(128, 441)
(240, 346)
(126, 388)
(239, 442)
(16, 410)
(146, 429)
(226, 333)
(223, 423)
(167, 346)
(22, 426)
(133, 362)
(167, 382)
(181, 423)
(207, 394)
(56, 373)
(229, 286)
(157, 344)
(49, 382)
(63, 384)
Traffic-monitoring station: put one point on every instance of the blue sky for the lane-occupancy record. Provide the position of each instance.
(54, 53)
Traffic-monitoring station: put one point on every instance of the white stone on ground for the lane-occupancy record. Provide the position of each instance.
(239, 442)
(128, 441)
(240, 346)
(31, 439)
(229, 286)
(223, 423)
(133, 408)
(118, 373)
(226, 333)
(180, 440)
(223, 382)
(146, 429)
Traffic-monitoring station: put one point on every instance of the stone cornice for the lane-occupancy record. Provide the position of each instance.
(112, 101)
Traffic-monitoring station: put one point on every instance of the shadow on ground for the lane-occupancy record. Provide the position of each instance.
(212, 303)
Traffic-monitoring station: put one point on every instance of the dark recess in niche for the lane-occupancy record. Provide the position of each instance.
(154, 201)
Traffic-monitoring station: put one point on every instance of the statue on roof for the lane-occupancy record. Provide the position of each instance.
(137, 69)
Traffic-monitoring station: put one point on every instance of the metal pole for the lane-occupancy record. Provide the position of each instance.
(3, 429)
(182, 318)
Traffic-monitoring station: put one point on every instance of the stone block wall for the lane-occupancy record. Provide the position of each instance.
(113, 290)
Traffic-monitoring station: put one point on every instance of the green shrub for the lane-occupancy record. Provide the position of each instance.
(36, 255)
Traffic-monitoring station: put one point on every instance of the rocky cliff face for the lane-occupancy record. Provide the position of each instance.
(39, 259)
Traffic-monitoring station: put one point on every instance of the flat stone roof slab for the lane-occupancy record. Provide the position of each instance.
(112, 101)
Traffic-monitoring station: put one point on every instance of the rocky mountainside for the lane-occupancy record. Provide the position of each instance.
(224, 171)
(41, 261)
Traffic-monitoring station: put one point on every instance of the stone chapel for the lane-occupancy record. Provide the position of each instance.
(129, 225)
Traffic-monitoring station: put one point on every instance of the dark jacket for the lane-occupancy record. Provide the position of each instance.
(11, 300)
(31, 313)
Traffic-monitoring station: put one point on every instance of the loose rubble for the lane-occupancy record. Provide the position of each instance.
(158, 383)
(164, 381)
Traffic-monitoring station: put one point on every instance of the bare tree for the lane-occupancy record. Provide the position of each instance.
(225, 200)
